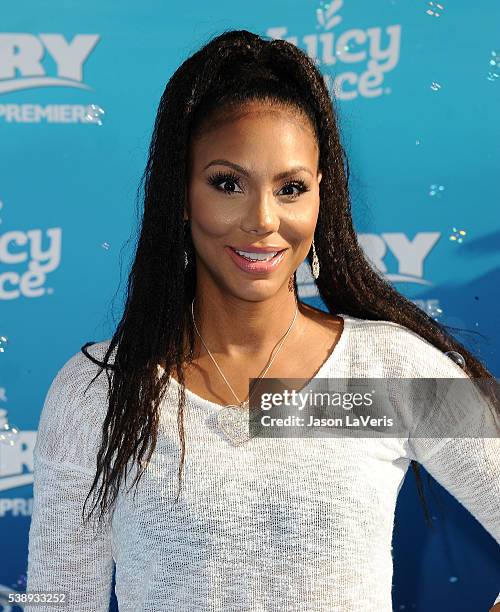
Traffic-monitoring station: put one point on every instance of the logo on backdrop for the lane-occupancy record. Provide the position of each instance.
(29, 61)
(16, 470)
(29, 256)
(18, 248)
(341, 50)
(381, 250)
(409, 254)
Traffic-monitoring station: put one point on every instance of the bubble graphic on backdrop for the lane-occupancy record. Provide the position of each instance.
(434, 311)
(3, 343)
(456, 357)
(106, 246)
(494, 71)
(8, 433)
(436, 190)
(458, 235)
(21, 582)
(93, 114)
(345, 48)
(435, 86)
(435, 9)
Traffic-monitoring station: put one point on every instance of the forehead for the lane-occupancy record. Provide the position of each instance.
(255, 110)
(258, 130)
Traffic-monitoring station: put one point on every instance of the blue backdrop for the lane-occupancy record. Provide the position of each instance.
(418, 99)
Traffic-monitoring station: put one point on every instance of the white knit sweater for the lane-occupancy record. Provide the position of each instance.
(288, 524)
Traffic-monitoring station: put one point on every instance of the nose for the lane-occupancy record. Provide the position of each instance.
(261, 215)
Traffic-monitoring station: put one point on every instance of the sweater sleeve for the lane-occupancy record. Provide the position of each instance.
(469, 469)
(458, 442)
(63, 553)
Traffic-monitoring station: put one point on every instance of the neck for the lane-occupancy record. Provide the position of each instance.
(236, 328)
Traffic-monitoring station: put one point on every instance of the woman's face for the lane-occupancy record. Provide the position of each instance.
(237, 200)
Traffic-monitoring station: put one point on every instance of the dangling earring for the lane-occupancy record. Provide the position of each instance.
(291, 287)
(186, 229)
(315, 262)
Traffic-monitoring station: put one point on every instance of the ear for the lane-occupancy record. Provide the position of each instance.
(319, 177)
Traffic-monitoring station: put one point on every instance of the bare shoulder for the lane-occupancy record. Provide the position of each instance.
(328, 322)
(322, 328)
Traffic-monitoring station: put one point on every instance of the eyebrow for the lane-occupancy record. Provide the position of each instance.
(245, 172)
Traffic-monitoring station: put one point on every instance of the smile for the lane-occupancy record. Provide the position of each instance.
(256, 262)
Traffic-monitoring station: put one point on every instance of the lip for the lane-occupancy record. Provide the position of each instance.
(256, 267)
(250, 248)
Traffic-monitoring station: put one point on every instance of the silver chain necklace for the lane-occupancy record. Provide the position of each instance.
(232, 419)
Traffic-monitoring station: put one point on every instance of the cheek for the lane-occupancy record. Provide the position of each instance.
(299, 222)
(210, 216)
(209, 224)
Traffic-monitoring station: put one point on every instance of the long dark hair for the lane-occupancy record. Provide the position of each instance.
(229, 70)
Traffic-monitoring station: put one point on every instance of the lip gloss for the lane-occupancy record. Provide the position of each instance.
(256, 267)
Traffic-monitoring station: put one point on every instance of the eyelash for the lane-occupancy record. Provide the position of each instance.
(220, 177)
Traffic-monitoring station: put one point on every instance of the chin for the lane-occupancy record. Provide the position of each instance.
(256, 289)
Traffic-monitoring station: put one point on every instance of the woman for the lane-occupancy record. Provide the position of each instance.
(245, 179)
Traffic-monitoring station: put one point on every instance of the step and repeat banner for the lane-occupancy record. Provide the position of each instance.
(418, 93)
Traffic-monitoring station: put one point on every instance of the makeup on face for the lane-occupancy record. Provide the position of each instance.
(254, 208)
(256, 262)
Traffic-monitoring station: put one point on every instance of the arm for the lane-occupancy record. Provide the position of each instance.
(456, 440)
(467, 466)
(63, 553)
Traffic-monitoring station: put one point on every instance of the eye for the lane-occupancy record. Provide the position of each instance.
(222, 177)
(300, 185)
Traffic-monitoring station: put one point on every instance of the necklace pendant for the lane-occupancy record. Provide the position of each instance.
(234, 422)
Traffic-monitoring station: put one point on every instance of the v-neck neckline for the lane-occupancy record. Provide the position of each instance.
(332, 358)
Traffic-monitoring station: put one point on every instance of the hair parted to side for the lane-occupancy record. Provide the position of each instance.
(232, 68)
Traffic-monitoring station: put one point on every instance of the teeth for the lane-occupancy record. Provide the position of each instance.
(257, 256)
